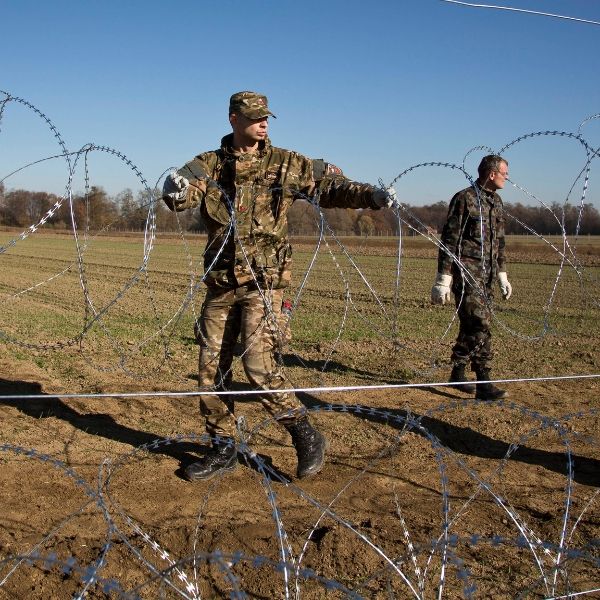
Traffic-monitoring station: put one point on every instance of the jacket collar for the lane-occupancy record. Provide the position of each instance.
(227, 146)
(484, 193)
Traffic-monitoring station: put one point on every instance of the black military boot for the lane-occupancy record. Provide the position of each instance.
(457, 375)
(219, 459)
(310, 447)
(487, 391)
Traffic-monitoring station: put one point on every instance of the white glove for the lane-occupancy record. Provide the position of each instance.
(440, 292)
(175, 187)
(505, 286)
(385, 198)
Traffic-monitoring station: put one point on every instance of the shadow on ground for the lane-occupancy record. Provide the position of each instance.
(463, 440)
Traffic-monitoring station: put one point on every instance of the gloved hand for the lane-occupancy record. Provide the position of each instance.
(385, 198)
(175, 187)
(440, 292)
(505, 286)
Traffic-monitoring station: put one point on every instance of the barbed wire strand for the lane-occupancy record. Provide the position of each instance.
(523, 10)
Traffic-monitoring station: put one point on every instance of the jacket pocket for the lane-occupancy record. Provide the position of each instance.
(217, 205)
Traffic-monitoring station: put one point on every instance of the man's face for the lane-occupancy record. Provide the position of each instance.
(497, 179)
(249, 130)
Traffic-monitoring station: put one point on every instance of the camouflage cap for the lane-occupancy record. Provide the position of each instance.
(250, 104)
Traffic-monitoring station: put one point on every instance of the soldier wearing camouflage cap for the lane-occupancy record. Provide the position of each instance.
(470, 260)
(244, 190)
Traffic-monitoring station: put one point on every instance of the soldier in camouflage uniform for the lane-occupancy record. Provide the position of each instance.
(245, 190)
(471, 259)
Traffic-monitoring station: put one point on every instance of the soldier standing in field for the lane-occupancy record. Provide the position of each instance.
(470, 260)
(244, 190)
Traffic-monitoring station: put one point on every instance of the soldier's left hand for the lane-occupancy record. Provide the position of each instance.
(385, 198)
(505, 286)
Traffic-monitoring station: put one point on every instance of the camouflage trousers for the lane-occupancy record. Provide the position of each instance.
(255, 316)
(474, 340)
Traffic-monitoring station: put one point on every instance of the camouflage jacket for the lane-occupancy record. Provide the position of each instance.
(474, 235)
(244, 199)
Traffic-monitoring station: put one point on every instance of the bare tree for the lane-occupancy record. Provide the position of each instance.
(365, 225)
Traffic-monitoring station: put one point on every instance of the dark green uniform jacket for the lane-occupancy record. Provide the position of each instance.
(474, 234)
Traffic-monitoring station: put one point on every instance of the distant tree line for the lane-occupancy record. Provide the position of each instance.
(128, 212)
(94, 209)
(520, 219)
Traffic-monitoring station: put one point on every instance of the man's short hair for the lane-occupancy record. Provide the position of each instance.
(490, 163)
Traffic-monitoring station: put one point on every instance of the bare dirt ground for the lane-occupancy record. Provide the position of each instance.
(416, 480)
(425, 492)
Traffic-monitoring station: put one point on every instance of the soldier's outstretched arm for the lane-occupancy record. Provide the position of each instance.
(337, 191)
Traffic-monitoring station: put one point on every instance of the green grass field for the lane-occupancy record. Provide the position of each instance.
(131, 314)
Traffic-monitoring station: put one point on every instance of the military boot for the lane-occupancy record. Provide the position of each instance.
(487, 391)
(458, 375)
(310, 447)
(219, 459)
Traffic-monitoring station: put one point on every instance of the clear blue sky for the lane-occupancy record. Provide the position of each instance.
(374, 87)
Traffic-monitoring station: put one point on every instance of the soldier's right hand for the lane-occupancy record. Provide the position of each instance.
(175, 187)
(385, 198)
(440, 292)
